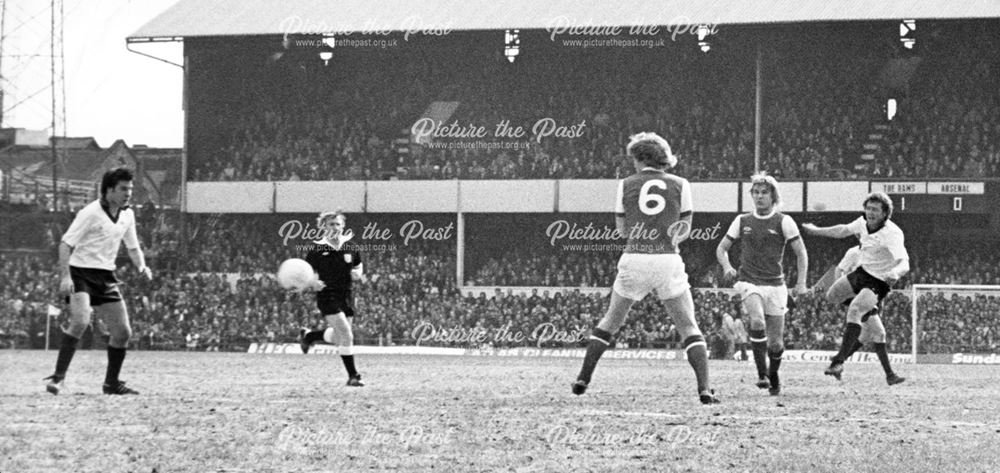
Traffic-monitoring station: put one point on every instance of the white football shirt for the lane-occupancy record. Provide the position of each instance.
(879, 250)
(95, 238)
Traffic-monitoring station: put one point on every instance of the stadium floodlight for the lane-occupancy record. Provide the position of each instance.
(906, 26)
(890, 109)
(512, 45)
(330, 41)
(326, 56)
(703, 32)
(907, 33)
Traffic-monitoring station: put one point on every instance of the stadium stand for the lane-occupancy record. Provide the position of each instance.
(230, 301)
(824, 96)
(277, 117)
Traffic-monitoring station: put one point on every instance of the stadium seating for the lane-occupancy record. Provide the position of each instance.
(823, 116)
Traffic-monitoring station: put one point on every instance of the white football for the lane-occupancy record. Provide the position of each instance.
(295, 274)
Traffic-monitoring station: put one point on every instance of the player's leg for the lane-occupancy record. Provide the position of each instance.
(632, 283)
(339, 333)
(865, 301)
(681, 309)
(864, 338)
(841, 290)
(753, 307)
(601, 336)
(775, 308)
(308, 337)
(878, 338)
(115, 317)
(675, 292)
(79, 319)
(326, 305)
(869, 332)
(775, 350)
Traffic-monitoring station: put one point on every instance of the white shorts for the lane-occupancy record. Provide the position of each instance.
(639, 274)
(775, 297)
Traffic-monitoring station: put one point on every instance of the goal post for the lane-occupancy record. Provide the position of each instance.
(949, 291)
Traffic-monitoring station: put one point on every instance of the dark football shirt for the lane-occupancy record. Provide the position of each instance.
(334, 266)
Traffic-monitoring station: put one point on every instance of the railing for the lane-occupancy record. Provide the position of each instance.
(26, 188)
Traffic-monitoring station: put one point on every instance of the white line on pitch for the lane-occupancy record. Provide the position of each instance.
(661, 415)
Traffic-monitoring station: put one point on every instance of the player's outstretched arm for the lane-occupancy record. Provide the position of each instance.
(722, 251)
(316, 285)
(65, 281)
(135, 252)
(358, 273)
(139, 260)
(801, 266)
(722, 255)
(836, 231)
(74, 234)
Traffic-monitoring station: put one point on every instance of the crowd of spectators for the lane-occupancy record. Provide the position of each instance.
(597, 268)
(948, 121)
(960, 323)
(228, 308)
(824, 91)
(292, 120)
(26, 287)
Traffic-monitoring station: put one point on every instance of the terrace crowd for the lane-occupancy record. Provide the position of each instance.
(824, 94)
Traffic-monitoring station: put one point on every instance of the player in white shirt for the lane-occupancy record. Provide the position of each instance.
(87, 255)
(872, 329)
(882, 260)
(653, 209)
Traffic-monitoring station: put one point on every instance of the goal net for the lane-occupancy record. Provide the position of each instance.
(955, 323)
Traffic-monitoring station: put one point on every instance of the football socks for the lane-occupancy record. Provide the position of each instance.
(600, 340)
(67, 349)
(883, 357)
(758, 344)
(697, 355)
(775, 358)
(851, 333)
(116, 356)
(349, 365)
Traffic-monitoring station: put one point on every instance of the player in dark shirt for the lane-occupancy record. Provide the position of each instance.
(653, 210)
(338, 265)
(763, 235)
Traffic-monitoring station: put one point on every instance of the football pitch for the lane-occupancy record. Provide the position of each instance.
(232, 412)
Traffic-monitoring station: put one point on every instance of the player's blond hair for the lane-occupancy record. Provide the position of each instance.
(323, 216)
(769, 181)
(651, 149)
(882, 198)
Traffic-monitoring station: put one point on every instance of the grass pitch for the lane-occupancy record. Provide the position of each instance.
(234, 412)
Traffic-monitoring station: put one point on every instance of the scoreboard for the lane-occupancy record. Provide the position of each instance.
(940, 197)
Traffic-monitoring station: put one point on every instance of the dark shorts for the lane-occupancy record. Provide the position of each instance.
(330, 303)
(101, 284)
(860, 279)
